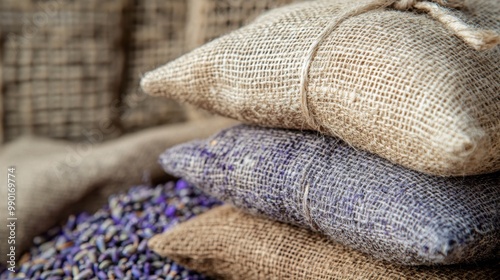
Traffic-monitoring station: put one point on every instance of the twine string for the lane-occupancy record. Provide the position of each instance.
(305, 194)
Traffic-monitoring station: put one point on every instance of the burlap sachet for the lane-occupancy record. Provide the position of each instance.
(229, 244)
(414, 82)
(55, 178)
(357, 198)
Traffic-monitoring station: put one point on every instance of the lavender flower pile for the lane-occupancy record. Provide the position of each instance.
(112, 243)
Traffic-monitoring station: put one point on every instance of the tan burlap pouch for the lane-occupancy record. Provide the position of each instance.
(155, 34)
(412, 81)
(228, 244)
(62, 63)
(55, 178)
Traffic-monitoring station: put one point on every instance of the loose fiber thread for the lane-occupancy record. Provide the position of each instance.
(478, 39)
(305, 191)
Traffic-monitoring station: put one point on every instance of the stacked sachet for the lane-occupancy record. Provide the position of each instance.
(375, 126)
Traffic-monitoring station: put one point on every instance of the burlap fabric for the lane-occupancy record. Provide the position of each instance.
(209, 19)
(229, 244)
(61, 66)
(401, 84)
(352, 196)
(156, 31)
(55, 178)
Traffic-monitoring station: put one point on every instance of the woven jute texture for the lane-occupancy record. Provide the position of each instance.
(354, 197)
(56, 178)
(209, 19)
(229, 244)
(156, 35)
(61, 66)
(401, 84)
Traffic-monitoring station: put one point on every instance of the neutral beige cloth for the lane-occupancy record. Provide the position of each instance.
(229, 244)
(399, 83)
(55, 178)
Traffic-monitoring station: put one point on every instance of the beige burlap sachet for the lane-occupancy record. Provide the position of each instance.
(55, 178)
(416, 82)
(229, 244)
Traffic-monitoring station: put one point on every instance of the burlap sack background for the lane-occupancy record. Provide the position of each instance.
(55, 178)
(73, 65)
(228, 244)
(356, 198)
(61, 65)
(396, 83)
(209, 19)
(156, 35)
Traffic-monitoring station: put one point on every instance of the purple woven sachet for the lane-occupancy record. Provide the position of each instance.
(352, 196)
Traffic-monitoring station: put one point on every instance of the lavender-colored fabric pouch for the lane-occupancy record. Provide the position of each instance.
(352, 196)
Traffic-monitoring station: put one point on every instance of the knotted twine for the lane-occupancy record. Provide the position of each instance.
(478, 39)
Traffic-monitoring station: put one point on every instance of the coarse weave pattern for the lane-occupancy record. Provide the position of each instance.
(355, 197)
(229, 244)
(61, 65)
(396, 83)
(157, 29)
(209, 19)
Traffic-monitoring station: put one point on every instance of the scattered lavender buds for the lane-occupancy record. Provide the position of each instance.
(112, 243)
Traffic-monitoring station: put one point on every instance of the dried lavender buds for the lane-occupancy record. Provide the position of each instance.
(112, 243)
